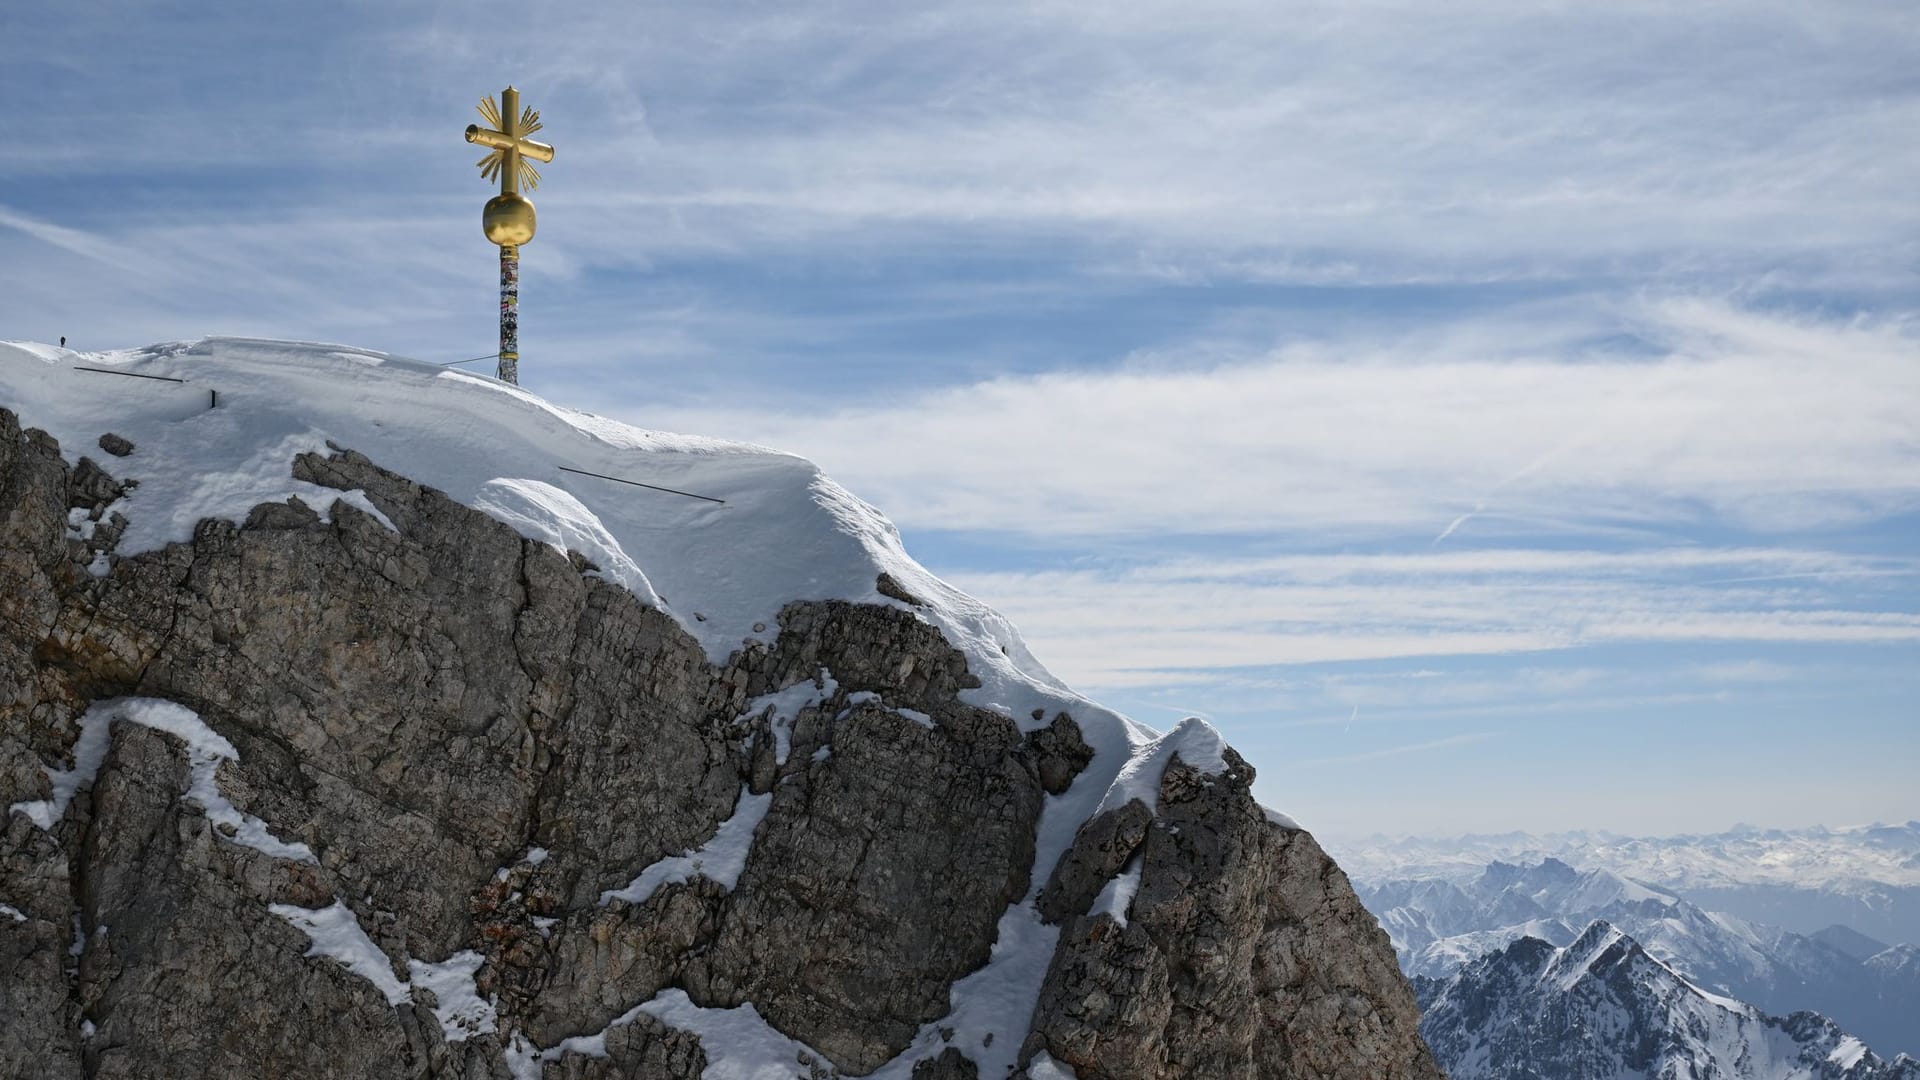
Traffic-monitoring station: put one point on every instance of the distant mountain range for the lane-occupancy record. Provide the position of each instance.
(1602, 1007)
(1440, 926)
(1863, 877)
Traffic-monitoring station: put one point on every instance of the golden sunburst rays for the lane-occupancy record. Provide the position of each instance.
(491, 165)
(496, 160)
(529, 118)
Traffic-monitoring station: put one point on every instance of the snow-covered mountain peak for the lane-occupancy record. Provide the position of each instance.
(1600, 946)
(1897, 960)
(1603, 1007)
(1552, 869)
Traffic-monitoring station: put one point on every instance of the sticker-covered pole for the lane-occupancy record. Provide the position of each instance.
(510, 313)
(508, 217)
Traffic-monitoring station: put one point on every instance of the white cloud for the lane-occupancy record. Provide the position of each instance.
(1762, 421)
(1465, 739)
(78, 242)
(1315, 140)
(1370, 141)
(1164, 624)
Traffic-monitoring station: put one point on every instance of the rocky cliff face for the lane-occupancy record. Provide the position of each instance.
(339, 792)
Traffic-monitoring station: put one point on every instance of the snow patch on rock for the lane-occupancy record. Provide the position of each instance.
(544, 512)
(993, 1006)
(336, 934)
(738, 1043)
(786, 705)
(461, 1010)
(1198, 745)
(1044, 1067)
(1116, 897)
(721, 858)
(206, 748)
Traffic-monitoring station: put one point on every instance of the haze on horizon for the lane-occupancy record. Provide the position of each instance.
(1492, 419)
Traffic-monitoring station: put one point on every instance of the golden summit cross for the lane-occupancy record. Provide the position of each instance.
(508, 218)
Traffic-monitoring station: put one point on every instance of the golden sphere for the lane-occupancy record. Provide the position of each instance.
(508, 219)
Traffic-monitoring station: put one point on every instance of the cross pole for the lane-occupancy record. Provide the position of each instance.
(509, 219)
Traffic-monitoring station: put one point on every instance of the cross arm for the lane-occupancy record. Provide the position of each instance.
(495, 140)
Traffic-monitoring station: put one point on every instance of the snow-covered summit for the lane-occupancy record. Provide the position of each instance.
(751, 789)
(217, 421)
(766, 529)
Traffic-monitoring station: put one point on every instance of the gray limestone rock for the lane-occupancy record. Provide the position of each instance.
(1245, 953)
(169, 909)
(950, 1065)
(1100, 849)
(39, 1023)
(1059, 752)
(619, 955)
(878, 878)
(477, 738)
(885, 585)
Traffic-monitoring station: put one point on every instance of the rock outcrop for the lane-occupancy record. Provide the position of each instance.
(1244, 951)
(427, 765)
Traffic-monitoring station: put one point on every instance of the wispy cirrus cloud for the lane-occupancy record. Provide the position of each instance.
(1384, 138)
(1204, 143)
(1706, 412)
(1464, 739)
(78, 242)
(1168, 622)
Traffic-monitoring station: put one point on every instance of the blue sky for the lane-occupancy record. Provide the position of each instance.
(1492, 416)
